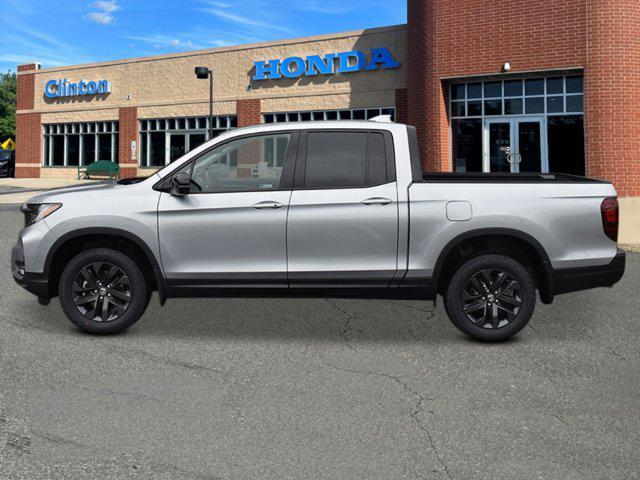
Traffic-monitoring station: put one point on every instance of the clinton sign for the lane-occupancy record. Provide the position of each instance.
(64, 88)
(343, 62)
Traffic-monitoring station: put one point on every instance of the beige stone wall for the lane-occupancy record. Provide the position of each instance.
(59, 172)
(166, 86)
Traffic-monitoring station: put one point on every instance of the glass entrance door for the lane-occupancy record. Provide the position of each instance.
(529, 145)
(498, 145)
(514, 145)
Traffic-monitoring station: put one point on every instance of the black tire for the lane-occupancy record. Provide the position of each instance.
(485, 313)
(129, 285)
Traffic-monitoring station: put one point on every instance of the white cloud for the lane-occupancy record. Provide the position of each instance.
(164, 41)
(105, 8)
(245, 20)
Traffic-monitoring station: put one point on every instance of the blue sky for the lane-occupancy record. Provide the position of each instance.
(70, 32)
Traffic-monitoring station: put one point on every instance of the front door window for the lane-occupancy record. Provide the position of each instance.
(499, 146)
(529, 146)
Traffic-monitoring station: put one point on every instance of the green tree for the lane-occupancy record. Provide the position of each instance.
(8, 85)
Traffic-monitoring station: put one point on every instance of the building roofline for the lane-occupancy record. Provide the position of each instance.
(231, 48)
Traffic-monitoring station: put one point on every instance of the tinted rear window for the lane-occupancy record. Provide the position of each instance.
(342, 159)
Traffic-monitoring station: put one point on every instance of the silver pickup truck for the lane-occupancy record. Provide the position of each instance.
(322, 209)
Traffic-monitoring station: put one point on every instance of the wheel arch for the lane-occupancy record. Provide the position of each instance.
(73, 242)
(515, 243)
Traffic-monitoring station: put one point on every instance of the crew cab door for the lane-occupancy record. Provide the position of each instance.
(342, 228)
(230, 229)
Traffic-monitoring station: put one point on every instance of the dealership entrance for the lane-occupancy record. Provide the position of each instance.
(524, 125)
(514, 145)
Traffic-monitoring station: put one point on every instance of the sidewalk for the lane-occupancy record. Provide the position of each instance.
(18, 190)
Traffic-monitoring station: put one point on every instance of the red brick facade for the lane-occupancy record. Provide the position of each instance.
(248, 112)
(612, 91)
(456, 39)
(401, 105)
(29, 142)
(28, 126)
(128, 132)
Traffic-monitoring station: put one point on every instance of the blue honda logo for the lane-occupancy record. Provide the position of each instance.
(353, 61)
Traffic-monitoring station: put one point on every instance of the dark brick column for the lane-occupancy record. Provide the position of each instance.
(28, 126)
(401, 105)
(417, 81)
(248, 111)
(612, 90)
(128, 125)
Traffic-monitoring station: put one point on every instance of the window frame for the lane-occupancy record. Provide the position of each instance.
(301, 161)
(288, 168)
(62, 131)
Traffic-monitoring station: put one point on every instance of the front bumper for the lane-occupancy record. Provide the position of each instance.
(567, 280)
(36, 283)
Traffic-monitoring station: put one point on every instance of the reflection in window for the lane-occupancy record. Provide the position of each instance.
(242, 165)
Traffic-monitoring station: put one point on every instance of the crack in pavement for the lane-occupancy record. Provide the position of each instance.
(417, 409)
(130, 353)
(347, 325)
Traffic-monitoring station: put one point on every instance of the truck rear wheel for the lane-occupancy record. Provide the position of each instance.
(103, 291)
(490, 297)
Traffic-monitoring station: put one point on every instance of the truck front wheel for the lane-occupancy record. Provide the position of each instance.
(490, 297)
(103, 291)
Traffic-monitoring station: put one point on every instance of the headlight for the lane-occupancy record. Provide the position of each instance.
(34, 212)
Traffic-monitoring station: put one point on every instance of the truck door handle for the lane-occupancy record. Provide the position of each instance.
(377, 201)
(268, 205)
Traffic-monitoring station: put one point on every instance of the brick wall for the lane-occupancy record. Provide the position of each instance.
(128, 132)
(28, 145)
(28, 126)
(401, 105)
(449, 39)
(612, 89)
(248, 111)
(454, 39)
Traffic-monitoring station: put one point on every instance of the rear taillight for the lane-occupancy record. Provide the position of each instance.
(610, 216)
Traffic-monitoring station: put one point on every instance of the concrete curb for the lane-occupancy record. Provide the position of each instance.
(630, 248)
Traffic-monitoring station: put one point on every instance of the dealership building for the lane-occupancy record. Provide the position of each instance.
(501, 86)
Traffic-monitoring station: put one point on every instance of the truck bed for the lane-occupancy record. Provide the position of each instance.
(448, 177)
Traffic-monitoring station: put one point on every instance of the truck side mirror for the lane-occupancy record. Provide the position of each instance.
(180, 184)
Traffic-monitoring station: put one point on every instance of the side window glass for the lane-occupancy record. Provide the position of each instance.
(377, 171)
(243, 165)
(336, 159)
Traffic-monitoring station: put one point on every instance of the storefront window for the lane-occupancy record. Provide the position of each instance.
(533, 113)
(320, 115)
(566, 144)
(73, 144)
(467, 145)
(164, 140)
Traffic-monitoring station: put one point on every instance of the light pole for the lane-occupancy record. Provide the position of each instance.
(202, 73)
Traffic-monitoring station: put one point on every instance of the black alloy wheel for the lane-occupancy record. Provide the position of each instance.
(102, 292)
(490, 297)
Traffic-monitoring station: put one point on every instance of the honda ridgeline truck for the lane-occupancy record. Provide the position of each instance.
(321, 209)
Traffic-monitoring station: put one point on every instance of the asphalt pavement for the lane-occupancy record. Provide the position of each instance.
(316, 388)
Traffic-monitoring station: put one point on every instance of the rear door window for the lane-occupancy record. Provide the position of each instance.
(342, 159)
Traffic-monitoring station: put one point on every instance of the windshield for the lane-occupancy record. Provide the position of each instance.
(5, 154)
